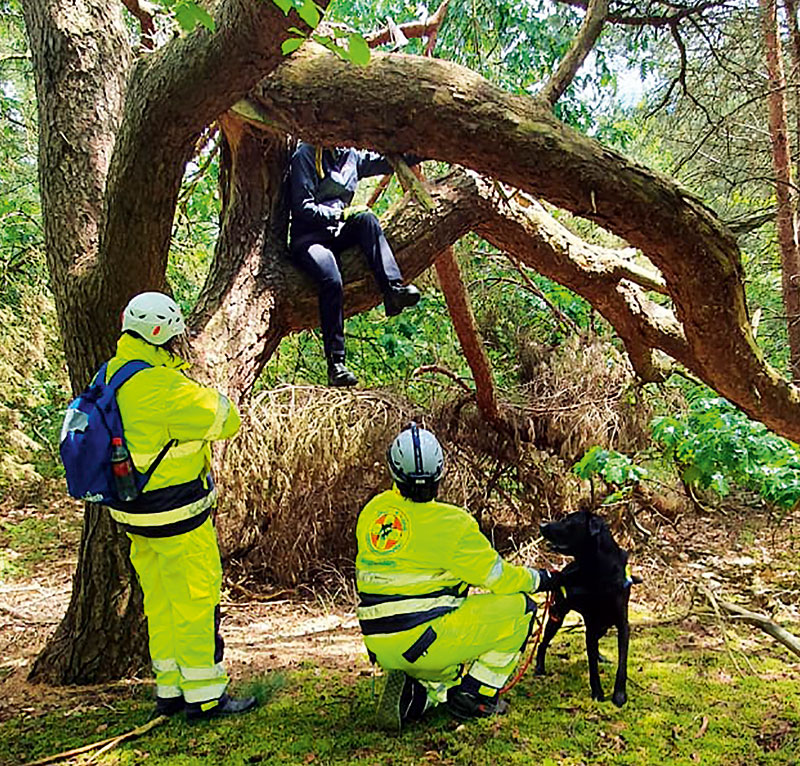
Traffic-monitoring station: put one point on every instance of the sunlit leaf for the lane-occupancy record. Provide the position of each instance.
(291, 45)
(359, 50)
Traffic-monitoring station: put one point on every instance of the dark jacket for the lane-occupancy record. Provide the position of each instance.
(319, 194)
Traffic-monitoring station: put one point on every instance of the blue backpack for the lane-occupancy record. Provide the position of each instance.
(91, 422)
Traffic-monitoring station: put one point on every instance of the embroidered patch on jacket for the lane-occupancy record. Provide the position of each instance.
(388, 532)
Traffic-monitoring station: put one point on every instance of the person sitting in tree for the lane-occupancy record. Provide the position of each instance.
(324, 224)
(416, 561)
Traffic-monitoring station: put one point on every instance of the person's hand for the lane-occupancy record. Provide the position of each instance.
(349, 212)
(548, 580)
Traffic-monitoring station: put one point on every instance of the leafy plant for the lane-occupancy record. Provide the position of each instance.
(614, 468)
(715, 446)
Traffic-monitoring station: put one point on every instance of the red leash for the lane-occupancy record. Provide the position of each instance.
(534, 643)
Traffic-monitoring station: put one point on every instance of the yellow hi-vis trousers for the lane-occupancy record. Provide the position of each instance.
(483, 637)
(181, 578)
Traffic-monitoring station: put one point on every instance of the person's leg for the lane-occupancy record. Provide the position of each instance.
(486, 634)
(158, 611)
(190, 565)
(365, 231)
(319, 262)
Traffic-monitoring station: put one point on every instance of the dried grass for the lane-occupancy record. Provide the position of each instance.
(306, 461)
(582, 393)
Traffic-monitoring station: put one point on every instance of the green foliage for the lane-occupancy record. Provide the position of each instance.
(611, 466)
(715, 446)
(188, 14)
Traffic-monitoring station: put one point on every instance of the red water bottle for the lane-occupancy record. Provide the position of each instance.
(122, 468)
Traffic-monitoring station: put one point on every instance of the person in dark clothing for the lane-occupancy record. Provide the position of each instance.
(325, 224)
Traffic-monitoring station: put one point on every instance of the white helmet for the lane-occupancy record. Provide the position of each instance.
(154, 316)
(416, 463)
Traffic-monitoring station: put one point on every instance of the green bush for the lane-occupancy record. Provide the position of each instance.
(715, 446)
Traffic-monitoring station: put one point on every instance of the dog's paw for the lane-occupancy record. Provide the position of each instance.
(619, 698)
(598, 696)
(539, 671)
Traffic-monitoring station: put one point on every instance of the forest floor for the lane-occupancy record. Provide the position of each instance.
(701, 689)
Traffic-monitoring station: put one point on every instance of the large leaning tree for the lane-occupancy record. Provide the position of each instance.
(117, 128)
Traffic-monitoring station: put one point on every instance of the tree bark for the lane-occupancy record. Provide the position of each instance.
(786, 218)
(455, 295)
(80, 86)
(235, 317)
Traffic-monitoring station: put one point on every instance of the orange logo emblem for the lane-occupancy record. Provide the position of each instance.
(388, 532)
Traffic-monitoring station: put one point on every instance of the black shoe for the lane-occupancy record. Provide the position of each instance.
(169, 705)
(403, 699)
(399, 297)
(225, 705)
(339, 376)
(465, 705)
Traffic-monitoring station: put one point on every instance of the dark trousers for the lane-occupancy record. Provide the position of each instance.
(317, 254)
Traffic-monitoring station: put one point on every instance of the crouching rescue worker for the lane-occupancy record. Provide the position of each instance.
(416, 560)
(325, 223)
(173, 542)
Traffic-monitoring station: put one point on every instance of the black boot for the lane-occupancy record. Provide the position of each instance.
(338, 375)
(399, 297)
(169, 705)
(465, 705)
(225, 705)
(402, 701)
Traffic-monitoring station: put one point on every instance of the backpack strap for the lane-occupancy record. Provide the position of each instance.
(161, 455)
(123, 375)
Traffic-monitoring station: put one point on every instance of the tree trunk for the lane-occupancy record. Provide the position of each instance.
(782, 166)
(80, 86)
(463, 319)
(236, 316)
(113, 143)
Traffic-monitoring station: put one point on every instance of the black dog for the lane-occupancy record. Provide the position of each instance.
(597, 586)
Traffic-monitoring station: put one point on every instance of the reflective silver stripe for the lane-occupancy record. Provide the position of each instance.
(499, 659)
(496, 572)
(164, 666)
(401, 580)
(484, 675)
(203, 674)
(223, 409)
(205, 693)
(168, 692)
(165, 517)
(406, 606)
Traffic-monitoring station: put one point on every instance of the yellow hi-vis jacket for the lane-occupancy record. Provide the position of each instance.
(416, 562)
(157, 405)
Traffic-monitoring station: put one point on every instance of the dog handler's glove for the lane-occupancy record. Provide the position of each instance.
(545, 580)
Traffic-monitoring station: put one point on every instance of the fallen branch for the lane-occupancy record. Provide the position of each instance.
(781, 635)
(105, 745)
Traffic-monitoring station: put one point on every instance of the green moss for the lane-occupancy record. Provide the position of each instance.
(686, 706)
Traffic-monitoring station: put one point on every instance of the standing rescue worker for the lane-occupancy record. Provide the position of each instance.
(325, 224)
(416, 560)
(173, 542)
